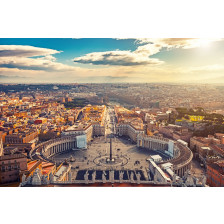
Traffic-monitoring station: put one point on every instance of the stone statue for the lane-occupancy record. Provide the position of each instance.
(197, 182)
(194, 180)
(187, 174)
(70, 176)
(174, 178)
(181, 181)
(29, 180)
(203, 180)
(86, 177)
(149, 174)
(155, 177)
(189, 181)
(44, 180)
(138, 175)
(111, 176)
(104, 177)
(36, 177)
(132, 177)
(94, 176)
(51, 177)
(121, 176)
(23, 178)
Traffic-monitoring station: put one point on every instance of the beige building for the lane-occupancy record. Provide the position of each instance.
(197, 142)
(125, 129)
(98, 130)
(88, 129)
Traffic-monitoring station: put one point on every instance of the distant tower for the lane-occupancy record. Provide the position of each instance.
(1, 146)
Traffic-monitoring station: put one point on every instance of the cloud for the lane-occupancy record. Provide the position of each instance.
(33, 64)
(24, 51)
(184, 43)
(39, 64)
(142, 55)
(124, 58)
(10, 77)
(21, 57)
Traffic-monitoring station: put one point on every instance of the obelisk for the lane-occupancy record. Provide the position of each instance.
(110, 149)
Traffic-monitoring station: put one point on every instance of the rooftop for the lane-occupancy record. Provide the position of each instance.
(32, 164)
(219, 167)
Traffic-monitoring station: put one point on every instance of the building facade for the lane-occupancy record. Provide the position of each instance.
(124, 129)
(21, 137)
(215, 174)
(11, 166)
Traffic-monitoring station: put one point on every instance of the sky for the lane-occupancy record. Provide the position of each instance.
(107, 60)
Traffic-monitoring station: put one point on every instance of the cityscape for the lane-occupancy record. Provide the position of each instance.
(111, 112)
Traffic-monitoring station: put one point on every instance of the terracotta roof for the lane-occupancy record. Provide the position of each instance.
(47, 170)
(31, 164)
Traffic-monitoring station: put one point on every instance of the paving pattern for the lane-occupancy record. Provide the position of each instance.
(84, 159)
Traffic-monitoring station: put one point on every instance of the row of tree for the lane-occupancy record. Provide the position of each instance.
(77, 102)
(199, 111)
(209, 130)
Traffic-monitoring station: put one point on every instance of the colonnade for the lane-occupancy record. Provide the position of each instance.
(58, 145)
(182, 156)
(181, 171)
(151, 144)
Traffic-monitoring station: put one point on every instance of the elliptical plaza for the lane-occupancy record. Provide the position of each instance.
(124, 154)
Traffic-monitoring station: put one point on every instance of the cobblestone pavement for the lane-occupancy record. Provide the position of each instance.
(84, 159)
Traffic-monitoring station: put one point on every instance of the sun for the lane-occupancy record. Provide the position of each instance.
(204, 42)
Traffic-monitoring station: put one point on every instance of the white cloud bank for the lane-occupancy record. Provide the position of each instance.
(120, 58)
(24, 51)
(21, 57)
(142, 55)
